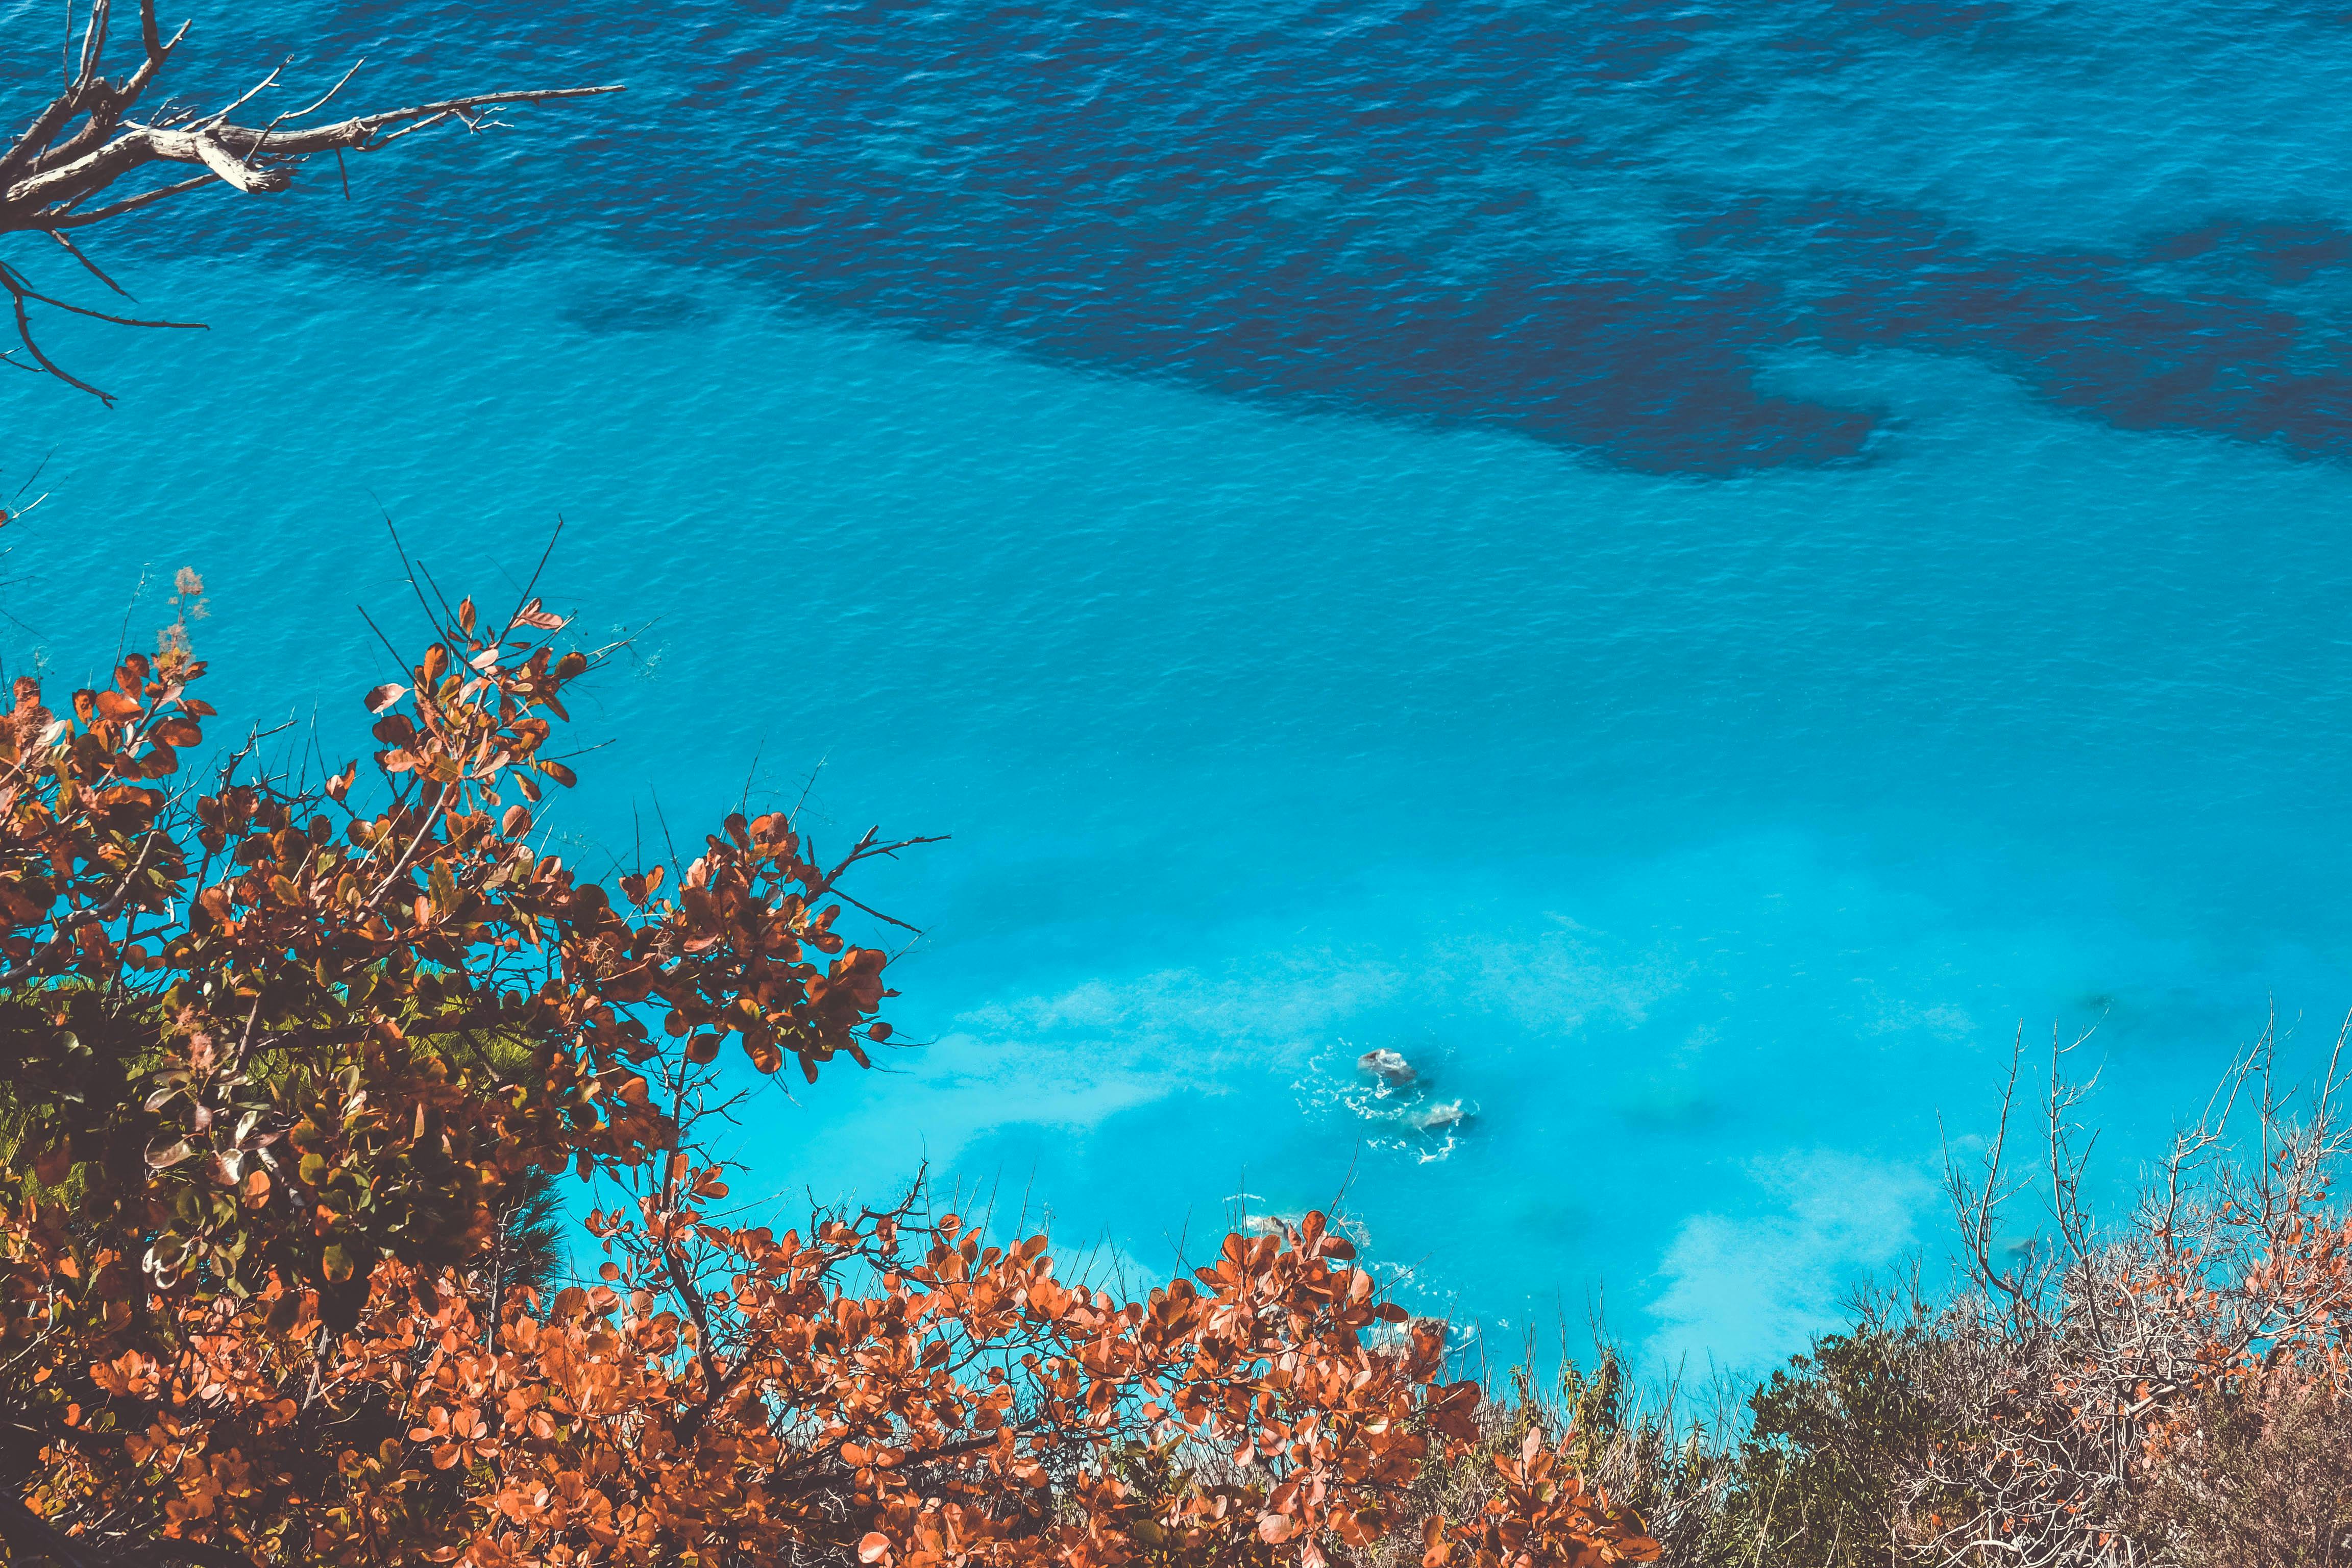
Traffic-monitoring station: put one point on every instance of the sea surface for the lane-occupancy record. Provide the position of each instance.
(1692, 569)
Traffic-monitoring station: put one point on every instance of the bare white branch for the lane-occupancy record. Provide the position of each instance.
(61, 173)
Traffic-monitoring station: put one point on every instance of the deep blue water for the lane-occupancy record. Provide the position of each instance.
(1689, 567)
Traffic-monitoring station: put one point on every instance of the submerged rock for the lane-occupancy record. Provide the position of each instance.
(1388, 1067)
(1440, 1114)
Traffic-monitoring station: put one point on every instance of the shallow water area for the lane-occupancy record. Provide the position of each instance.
(1705, 808)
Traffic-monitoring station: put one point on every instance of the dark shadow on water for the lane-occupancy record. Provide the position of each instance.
(1336, 209)
(628, 312)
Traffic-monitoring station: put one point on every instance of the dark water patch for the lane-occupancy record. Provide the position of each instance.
(2286, 254)
(624, 312)
(1928, 19)
(1672, 1112)
(1652, 370)
(2079, 329)
(1377, 208)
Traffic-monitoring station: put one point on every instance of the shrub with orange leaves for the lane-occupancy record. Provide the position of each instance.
(283, 1050)
(1544, 1515)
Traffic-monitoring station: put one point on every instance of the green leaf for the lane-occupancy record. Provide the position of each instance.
(170, 1154)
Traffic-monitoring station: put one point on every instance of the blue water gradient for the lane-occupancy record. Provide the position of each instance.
(1688, 568)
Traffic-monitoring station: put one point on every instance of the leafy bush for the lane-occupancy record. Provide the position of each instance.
(293, 1063)
(1833, 1437)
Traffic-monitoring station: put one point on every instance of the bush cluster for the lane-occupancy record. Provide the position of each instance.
(2164, 1390)
(294, 1059)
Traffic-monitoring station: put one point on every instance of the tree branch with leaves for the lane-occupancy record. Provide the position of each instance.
(286, 1052)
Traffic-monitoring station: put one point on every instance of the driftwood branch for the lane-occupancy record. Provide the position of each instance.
(87, 139)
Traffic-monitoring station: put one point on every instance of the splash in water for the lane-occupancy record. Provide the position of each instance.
(1394, 1093)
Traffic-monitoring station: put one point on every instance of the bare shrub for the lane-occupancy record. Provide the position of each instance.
(2262, 1477)
(2085, 1368)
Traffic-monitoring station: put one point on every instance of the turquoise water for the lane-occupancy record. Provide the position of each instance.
(1690, 570)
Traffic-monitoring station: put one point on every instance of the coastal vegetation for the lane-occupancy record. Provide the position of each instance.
(298, 1052)
(294, 1052)
(359, 1202)
(2166, 1387)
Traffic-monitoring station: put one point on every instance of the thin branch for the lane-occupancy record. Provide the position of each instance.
(321, 101)
(116, 209)
(247, 96)
(95, 271)
(82, 143)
